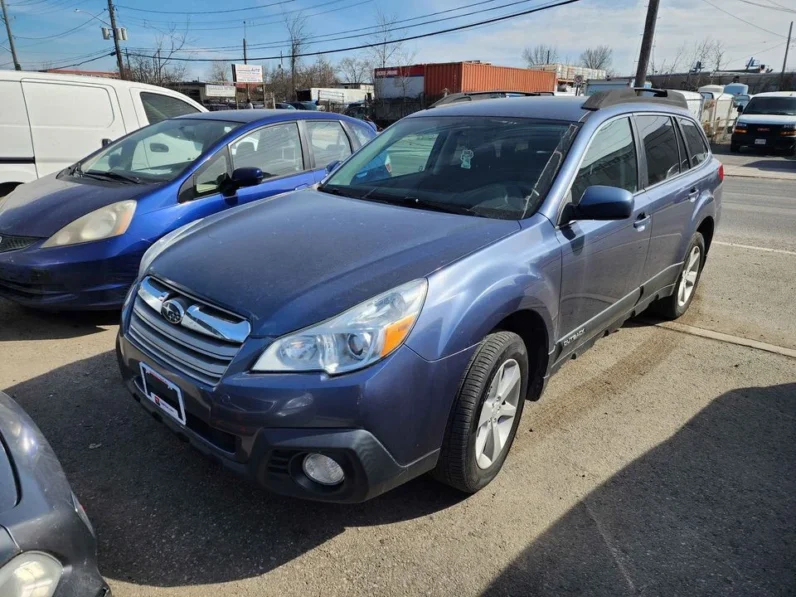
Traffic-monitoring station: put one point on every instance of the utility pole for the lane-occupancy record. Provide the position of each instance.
(646, 42)
(784, 62)
(10, 37)
(115, 32)
(246, 61)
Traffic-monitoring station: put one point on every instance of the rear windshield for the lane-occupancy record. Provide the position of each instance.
(779, 106)
(483, 166)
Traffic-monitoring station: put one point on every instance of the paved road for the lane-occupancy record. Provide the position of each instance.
(659, 463)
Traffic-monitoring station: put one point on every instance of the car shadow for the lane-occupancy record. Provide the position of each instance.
(708, 512)
(165, 515)
(783, 162)
(22, 323)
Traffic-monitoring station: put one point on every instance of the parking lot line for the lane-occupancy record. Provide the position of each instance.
(764, 249)
(737, 340)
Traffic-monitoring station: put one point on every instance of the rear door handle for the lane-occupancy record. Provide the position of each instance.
(693, 194)
(641, 221)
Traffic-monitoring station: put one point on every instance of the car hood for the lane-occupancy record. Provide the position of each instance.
(766, 119)
(303, 257)
(42, 207)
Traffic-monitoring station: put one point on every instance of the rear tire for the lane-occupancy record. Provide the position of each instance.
(677, 304)
(486, 414)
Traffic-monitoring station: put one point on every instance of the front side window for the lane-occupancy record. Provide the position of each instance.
(772, 105)
(160, 107)
(610, 160)
(494, 167)
(213, 176)
(276, 150)
(328, 141)
(157, 153)
(695, 142)
(660, 147)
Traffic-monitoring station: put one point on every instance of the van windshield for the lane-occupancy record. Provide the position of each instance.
(155, 153)
(780, 106)
(492, 167)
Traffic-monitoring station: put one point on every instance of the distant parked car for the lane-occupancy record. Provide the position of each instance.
(767, 122)
(284, 106)
(332, 344)
(49, 121)
(304, 105)
(74, 240)
(47, 544)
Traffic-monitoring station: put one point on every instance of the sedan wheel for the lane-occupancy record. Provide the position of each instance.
(689, 277)
(497, 414)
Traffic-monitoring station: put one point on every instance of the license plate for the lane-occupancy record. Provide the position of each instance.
(163, 393)
(760, 141)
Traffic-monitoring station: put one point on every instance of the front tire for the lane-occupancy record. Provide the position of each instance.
(735, 148)
(486, 414)
(677, 304)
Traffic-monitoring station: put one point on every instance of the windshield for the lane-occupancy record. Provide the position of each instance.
(783, 106)
(156, 153)
(484, 166)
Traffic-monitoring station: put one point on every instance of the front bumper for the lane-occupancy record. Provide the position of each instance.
(46, 518)
(80, 277)
(384, 424)
(771, 142)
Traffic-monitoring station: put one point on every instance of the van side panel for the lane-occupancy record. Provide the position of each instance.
(69, 121)
(16, 146)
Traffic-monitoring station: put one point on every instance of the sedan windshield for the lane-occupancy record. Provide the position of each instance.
(484, 166)
(783, 106)
(155, 153)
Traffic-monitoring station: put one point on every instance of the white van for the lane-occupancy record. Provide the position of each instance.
(719, 110)
(49, 121)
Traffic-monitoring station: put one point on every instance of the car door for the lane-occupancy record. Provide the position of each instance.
(328, 142)
(672, 188)
(602, 261)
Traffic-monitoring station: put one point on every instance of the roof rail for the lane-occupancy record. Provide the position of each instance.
(478, 95)
(612, 97)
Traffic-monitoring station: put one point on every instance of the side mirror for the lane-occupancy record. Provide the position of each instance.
(106, 142)
(604, 203)
(246, 177)
(740, 109)
(332, 166)
(158, 148)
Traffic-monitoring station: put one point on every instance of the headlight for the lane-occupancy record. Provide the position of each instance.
(162, 244)
(31, 574)
(357, 338)
(105, 222)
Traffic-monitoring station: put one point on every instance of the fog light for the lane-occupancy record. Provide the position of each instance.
(322, 469)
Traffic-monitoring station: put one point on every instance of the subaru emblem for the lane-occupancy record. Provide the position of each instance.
(172, 312)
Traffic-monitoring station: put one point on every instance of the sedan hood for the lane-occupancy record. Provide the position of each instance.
(766, 119)
(42, 207)
(306, 256)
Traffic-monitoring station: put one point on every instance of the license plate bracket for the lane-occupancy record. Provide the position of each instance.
(163, 393)
(760, 141)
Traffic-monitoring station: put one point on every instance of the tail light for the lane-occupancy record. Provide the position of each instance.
(721, 172)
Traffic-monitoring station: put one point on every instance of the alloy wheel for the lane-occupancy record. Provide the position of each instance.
(497, 414)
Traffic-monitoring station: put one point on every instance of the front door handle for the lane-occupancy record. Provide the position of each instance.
(693, 194)
(641, 222)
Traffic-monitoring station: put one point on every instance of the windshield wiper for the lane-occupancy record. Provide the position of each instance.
(112, 176)
(409, 201)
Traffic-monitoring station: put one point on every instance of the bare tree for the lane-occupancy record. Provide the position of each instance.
(540, 54)
(386, 52)
(297, 30)
(354, 70)
(598, 57)
(160, 68)
(717, 54)
(219, 72)
(699, 53)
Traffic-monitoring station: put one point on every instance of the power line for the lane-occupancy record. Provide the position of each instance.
(769, 7)
(765, 49)
(742, 20)
(103, 55)
(317, 38)
(57, 35)
(392, 41)
(202, 12)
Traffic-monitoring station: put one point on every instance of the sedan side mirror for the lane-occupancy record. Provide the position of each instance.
(740, 109)
(246, 177)
(332, 166)
(604, 203)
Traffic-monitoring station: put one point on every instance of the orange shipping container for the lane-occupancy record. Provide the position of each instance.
(455, 77)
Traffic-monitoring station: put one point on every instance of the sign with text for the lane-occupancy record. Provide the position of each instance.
(219, 91)
(247, 73)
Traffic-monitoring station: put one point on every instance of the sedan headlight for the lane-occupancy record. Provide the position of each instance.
(105, 222)
(162, 244)
(353, 340)
(31, 574)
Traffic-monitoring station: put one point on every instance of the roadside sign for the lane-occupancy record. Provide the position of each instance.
(578, 80)
(247, 73)
(219, 91)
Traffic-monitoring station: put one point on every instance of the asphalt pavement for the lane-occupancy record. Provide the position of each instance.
(661, 462)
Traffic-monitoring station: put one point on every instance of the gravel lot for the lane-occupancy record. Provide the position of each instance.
(661, 462)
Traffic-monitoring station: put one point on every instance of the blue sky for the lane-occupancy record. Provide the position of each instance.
(570, 28)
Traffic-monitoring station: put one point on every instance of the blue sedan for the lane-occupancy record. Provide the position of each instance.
(74, 240)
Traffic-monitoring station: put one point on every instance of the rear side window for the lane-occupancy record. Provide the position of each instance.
(328, 141)
(695, 142)
(610, 160)
(363, 132)
(660, 147)
(160, 107)
(276, 150)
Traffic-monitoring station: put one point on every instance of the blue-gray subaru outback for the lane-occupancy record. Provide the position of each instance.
(333, 343)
